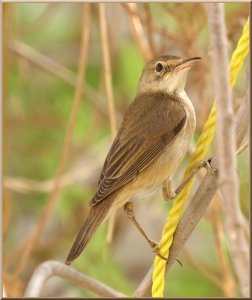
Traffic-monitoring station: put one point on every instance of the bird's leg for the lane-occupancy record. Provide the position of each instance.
(169, 194)
(203, 164)
(128, 208)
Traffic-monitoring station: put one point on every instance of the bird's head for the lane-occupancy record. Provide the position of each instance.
(166, 73)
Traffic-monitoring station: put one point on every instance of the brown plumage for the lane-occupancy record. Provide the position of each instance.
(93, 221)
(151, 142)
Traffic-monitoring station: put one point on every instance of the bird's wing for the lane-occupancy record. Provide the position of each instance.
(140, 140)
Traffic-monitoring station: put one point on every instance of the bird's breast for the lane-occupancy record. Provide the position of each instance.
(167, 163)
(149, 180)
(190, 113)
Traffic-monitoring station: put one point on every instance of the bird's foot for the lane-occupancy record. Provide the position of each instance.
(156, 250)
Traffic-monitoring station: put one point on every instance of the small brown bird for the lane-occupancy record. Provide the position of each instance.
(151, 143)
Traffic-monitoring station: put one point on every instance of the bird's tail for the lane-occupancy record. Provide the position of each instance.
(95, 217)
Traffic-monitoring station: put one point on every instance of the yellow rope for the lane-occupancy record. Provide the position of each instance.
(204, 141)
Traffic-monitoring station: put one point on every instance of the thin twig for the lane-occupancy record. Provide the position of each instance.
(35, 57)
(149, 27)
(242, 125)
(228, 283)
(77, 175)
(228, 286)
(85, 169)
(49, 269)
(159, 30)
(243, 114)
(53, 197)
(226, 146)
(107, 69)
(242, 148)
(196, 207)
(109, 92)
(202, 268)
(138, 31)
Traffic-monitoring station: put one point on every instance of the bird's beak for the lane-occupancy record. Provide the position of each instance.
(187, 63)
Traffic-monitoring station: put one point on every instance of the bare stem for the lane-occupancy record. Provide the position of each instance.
(138, 31)
(242, 148)
(107, 68)
(49, 269)
(33, 239)
(228, 283)
(226, 146)
(110, 95)
(86, 170)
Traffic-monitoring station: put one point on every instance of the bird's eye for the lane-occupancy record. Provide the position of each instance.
(159, 67)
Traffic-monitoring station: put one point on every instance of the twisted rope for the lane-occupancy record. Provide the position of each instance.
(203, 143)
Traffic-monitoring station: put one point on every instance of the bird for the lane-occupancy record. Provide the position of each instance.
(151, 142)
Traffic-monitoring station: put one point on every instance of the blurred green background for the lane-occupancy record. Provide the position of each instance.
(37, 104)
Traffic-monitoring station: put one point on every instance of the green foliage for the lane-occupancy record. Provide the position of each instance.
(193, 284)
(128, 70)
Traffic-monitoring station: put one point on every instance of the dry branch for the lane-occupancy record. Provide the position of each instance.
(158, 30)
(53, 197)
(84, 169)
(53, 268)
(85, 173)
(149, 27)
(196, 207)
(228, 282)
(138, 31)
(109, 92)
(226, 146)
(242, 148)
(107, 68)
(243, 115)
